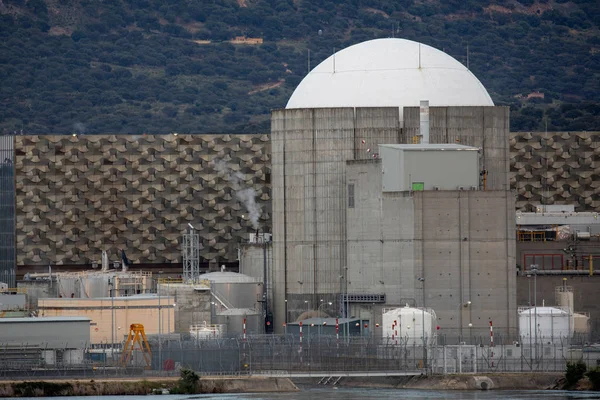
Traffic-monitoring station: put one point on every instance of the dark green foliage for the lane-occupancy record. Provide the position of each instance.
(50, 389)
(594, 377)
(574, 372)
(130, 66)
(188, 383)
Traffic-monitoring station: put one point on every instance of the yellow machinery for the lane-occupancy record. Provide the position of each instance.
(136, 335)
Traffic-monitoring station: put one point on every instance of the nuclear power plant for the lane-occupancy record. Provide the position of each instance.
(390, 198)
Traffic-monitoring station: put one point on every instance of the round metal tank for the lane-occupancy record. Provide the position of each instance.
(408, 325)
(554, 325)
(564, 297)
(206, 332)
(233, 320)
(581, 324)
(235, 290)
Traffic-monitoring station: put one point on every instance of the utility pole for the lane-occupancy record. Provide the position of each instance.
(534, 268)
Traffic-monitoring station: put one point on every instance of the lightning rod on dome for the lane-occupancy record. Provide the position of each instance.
(334, 60)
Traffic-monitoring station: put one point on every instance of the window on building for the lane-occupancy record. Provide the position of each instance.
(351, 195)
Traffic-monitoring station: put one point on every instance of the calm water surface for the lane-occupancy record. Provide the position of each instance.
(356, 394)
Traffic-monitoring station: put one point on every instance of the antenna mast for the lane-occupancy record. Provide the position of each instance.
(308, 62)
(467, 56)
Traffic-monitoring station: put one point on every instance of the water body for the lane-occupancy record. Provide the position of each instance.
(359, 394)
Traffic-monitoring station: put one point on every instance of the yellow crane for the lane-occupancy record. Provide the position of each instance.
(136, 335)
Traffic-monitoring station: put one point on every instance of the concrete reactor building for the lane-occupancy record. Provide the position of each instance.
(390, 186)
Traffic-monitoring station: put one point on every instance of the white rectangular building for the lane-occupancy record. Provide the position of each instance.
(415, 167)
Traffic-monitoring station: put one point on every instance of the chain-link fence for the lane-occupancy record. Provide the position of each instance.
(287, 354)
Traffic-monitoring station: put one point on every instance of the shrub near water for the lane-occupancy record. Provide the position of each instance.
(187, 382)
(30, 389)
(594, 377)
(575, 372)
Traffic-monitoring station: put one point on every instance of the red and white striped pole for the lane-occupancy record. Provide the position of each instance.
(244, 327)
(492, 343)
(337, 331)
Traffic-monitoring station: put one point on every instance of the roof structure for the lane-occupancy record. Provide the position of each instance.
(389, 73)
(43, 319)
(430, 147)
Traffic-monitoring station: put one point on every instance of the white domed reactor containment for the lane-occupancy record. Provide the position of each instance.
(389, 73)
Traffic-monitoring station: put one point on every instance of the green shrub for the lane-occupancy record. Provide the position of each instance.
(594, 377)
(187, 382)
(575, 372)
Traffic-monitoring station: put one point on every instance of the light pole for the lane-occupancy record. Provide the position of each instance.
(460, 307)
(159, 323)
(534, 268)
(112, 319)
(286, 317)
(422, 280)
(319, 309)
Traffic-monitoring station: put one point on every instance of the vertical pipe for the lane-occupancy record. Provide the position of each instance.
(424, 121)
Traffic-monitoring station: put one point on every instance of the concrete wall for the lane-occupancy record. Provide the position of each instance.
(468, 254)
(461, 242)
(380, 232)
(38, 289)
(485, 127)
(252, 263)
(310, 149)
(127, 310)
(44, 332)
(192, 304)
(309, 152)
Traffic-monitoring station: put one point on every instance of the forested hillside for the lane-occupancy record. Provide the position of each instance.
(134, 66)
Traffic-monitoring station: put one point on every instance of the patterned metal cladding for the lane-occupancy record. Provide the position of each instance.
(556, 168)
(7, 211)
(79, 195)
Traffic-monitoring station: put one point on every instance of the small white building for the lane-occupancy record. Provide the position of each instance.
(413, 167)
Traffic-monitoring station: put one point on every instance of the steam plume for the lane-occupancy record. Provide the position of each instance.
(245, 195)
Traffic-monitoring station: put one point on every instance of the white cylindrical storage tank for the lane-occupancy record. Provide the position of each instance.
(581, 324)
(409, 325)
(564, 298)
(554, 325)
(206, 332)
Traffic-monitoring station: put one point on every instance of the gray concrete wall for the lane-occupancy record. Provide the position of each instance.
(310, 149)
(485, 127)
(468, 254)
(192, 306)
(252, 263)
(39, 289)
(380, 230)
(461, 242)
(50, 334)
(309, 152)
